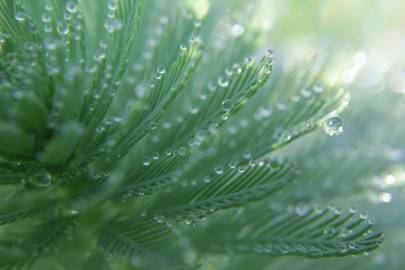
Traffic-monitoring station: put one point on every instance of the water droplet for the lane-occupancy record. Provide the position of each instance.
(62, 28)
(194, 110)
(233, 164)
(188, 221)
(112, 5)
(71, 7)
(329, 231)
(219, 169)
(352, 210)
(146, 161)
(197, 23)
(159, 218)
(237, 30)
(47, 28)
(344, 232)
(183, 49)
(318, 88)
(252, 163)
(385, 197)
(19, 16)
(227, 105)
(109, 26)
(269, 53)
(161, 69)
(228, 72)
(242, 169)
(222, 82)
(390, 179)
(40, 178)
(48, 7)
(371, 220)
(46, 18)
(302, 210)
(333, 126)
(155, 155)
(363, 216)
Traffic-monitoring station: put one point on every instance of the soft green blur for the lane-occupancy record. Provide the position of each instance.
(365, 44)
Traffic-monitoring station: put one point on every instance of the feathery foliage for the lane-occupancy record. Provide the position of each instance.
(130, 138)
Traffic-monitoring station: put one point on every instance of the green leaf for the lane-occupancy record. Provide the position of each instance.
(303, 231)
(14, 141)
(63, 145)
(150, 241)
(47, 237)
(228, 187)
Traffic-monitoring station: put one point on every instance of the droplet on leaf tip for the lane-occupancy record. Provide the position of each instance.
(333, 126)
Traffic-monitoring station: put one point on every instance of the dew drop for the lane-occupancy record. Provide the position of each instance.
(302, 210)
(146, 161)
(227, 105)
(333, 126)
(219, 169)
(222, 82)
(183, 49)
(194, 110)
(371, 220)
(269, 53)
(109, 26)
(242, 169)
(71, 7)
(155, 156)
(188, 221)
(233, 164)
(385, 197)
(329, 231)
(74, 211)
(19, 16)
(229, 72)
(352, 210)
(62, 28)
(112, 5)
(40, 178)
(161, 70)
(46, 18)
(237, 30)
(159, 218)
(207, 179)
(47, 28)
(363, 216)
(318, 88)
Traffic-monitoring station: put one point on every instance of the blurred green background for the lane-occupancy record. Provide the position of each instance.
(364, 42)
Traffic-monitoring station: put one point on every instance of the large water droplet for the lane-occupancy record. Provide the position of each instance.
(333, 126)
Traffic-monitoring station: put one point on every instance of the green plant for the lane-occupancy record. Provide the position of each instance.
(131, 139)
